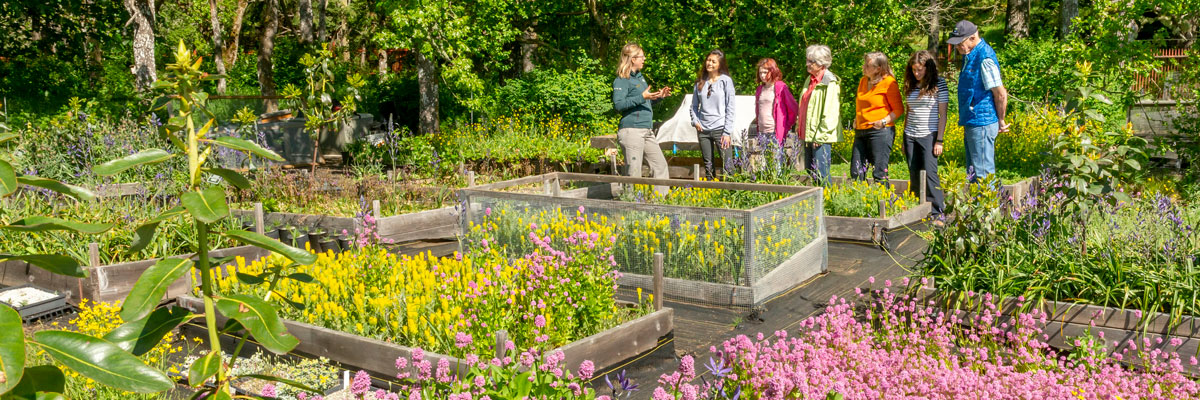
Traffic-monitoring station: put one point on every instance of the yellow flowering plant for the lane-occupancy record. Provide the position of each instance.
(550, 296)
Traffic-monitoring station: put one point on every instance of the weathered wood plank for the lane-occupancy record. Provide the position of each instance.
(807, 263)
(758, 187)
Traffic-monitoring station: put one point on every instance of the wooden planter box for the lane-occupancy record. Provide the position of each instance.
(758, 277)
(353, 352)
(1066, 321)
(107, 283)
(438, 223)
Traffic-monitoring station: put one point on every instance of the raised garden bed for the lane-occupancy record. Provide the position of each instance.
(107, 283)
(1116, 328)
(724, 256)
(32, 302)
(378, 357)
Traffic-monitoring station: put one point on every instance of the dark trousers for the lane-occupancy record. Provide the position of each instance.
(919, 151)
(872, 147)
(709, 141)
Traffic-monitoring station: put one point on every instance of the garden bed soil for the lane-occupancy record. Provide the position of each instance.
(107, 283)
(751, 290)
(1120, 327)
(353, 352)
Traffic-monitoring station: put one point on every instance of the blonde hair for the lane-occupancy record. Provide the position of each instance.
(880, 60)
(626, 66)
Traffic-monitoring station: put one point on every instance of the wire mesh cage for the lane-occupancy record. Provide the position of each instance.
(727, 244)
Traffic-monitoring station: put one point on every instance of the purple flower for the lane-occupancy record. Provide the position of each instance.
(361, 383)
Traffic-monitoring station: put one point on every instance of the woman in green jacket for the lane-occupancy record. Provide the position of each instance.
(819, 120)
(632, 98)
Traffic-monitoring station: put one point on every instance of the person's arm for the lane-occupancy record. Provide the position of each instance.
(894, 102)
(1000, 96)
(790, 109)
(729, 94)
(695, 106)
(622, 97)
(943, 100)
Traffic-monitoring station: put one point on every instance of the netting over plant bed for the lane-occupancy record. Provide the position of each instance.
(748, 243)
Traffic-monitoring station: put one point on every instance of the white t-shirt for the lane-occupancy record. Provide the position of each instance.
(923, 110)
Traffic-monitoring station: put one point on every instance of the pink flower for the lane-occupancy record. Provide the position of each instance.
(586, 369)
(539, 321)
(361, 383)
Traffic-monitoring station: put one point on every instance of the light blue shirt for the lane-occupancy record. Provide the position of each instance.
(712, 105)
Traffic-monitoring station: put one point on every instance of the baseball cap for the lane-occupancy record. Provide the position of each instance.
(962, 30)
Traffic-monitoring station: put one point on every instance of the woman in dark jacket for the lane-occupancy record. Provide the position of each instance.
(632, 98)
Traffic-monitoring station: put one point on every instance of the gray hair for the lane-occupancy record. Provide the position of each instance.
(819, 54)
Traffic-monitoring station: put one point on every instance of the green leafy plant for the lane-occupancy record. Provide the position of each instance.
(111, 360)
(316, 98)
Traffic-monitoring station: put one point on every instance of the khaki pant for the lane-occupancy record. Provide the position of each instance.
(640, 145)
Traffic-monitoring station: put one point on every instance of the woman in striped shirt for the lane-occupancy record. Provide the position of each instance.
(925, 126)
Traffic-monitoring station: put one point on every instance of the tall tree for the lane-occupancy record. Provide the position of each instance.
(235, 32)
(218, 43)
(266, 48)
(306, 20)
(1017, 15)
(141, 15)
(322, 10)
(1066, 15)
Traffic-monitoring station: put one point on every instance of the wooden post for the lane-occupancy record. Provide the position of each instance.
(375, 209)
(391, 175)
(612, 159)
(470, 178)
(696, 172)
(883, 209)
(546, 188)
(501, 341)
(556, 187)
(658, 281)
(921, 200)
(94, 254)
(259, 228)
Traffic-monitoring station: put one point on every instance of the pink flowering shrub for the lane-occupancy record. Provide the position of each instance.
(898, 347)
(531, 375)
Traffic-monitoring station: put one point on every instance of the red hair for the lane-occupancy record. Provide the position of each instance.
(773, 72)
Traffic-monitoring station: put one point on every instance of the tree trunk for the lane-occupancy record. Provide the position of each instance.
(1068, 12)
(383, 62)
(218, 43)
(141, 15)
(306, 21)
(266, 47)
(323, 8)
(528, 47)
(235, 34)
(934, 36)
(427, 82)
(344, 31)
(1017, 26)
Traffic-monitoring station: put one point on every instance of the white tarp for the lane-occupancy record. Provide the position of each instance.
(680, 131)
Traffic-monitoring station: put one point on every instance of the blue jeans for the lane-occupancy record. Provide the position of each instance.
(818, 161)
(980, 147)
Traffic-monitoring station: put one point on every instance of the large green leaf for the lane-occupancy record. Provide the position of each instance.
(300, 256)
(208, 205)
(204, 368)
(102, 361)
(55, 263)
(42, 224)
(140, 336)
(12, 348)
(151, 156)
(42, 378)
(145, 232)
(4, 137)
(246, 145)
(8, 178)
(233, 177)
(50, 184)
(261, 319)
(151, 286)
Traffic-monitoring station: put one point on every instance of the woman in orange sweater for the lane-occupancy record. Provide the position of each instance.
(877, 106)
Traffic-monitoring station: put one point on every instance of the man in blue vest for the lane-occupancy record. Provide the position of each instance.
(982, 99)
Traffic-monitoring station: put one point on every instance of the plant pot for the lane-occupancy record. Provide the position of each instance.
(300, 240)
(273, 234)
(331, 244)
(315, 238)
(248, 225)
(344, 242)
(287, 235)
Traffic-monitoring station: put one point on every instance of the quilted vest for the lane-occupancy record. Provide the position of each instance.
(975, 104)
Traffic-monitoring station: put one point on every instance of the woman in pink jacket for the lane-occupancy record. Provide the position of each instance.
(774, 106)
